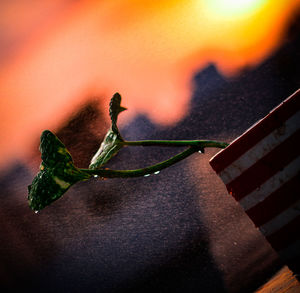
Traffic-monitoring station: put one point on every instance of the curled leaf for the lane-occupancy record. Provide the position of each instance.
(57, 173)
(115, 109)
(112, 141)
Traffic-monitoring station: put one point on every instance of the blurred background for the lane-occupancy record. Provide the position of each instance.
(186, 70)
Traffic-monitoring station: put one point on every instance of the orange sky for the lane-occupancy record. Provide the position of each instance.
(146, 50)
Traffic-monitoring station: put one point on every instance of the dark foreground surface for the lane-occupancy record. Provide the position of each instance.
(178, 231)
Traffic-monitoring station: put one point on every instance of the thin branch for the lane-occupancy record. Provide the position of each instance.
(144, 171)
(171, 143)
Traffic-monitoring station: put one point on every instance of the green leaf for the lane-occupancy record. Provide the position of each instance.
(53, 150)
(112, 141)
(57, 173)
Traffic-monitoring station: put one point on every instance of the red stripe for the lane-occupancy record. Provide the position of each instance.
(273, 120)
(265, 168)
(275, 203)
(286, 235)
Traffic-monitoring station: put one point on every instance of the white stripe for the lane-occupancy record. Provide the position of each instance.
(281, 220)
(291, 252)
(271, 185)
(262, 148)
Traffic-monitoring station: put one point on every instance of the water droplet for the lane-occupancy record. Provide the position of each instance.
(36, 212)
(147, 175)
(157, 172)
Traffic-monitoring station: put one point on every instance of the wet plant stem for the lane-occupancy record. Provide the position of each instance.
(176, 143)
(194, 146)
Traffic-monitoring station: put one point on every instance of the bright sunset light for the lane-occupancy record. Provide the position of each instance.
(146, 50)
(234, 8)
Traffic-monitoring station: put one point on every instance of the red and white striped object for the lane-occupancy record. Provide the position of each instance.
(261, 170)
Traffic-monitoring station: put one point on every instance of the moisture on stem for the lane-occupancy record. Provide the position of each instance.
(58, 172)
(106, 173)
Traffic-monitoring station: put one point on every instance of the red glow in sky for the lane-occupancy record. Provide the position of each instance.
(61, 53)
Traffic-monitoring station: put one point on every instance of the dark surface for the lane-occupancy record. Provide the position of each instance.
(178, 231)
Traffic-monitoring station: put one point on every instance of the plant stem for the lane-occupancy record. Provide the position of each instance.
(144, 171)
(195, 143)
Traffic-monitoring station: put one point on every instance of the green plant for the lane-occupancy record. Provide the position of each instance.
(58, 172)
